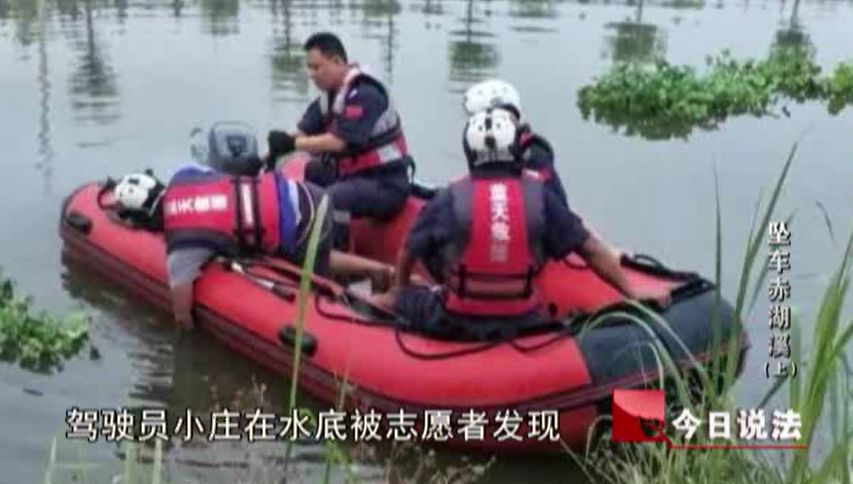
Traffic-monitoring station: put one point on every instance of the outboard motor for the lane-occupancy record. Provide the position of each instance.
(229, 147)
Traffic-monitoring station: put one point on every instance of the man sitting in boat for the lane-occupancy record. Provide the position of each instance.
(485, 238)
(232, 211)
(355, 133)
(536, 151)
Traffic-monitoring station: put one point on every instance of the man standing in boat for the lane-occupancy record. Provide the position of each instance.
(354, 133)
(486, 236)
(227, 209)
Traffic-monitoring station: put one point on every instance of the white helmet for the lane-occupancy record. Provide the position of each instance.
(492, 93)
(138, 192)
(491, 136)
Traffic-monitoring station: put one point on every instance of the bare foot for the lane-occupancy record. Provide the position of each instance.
(383, 300)
(381, 279)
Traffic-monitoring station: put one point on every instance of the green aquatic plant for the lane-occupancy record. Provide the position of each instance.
(663, 101)
(140, 467)
(301, 305)
(840, 87)
(821, 390)
(37, 342)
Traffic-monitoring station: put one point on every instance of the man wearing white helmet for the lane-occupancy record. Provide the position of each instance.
(484, 239)
(536, 152)
(205, 212)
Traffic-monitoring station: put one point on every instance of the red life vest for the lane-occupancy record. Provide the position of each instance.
(225, 213)
(499, 250)
(387, 143)
(527, 141)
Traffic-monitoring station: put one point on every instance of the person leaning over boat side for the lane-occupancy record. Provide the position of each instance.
(485, 237)
(536, 151)
(355, 134)
(233, 212)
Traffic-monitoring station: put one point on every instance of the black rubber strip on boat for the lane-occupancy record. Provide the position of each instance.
(79, 222)
(287, 336)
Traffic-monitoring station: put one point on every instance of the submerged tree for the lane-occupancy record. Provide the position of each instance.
(45, 149)
(25, 13)
(533, 9)
(5, 8)
(792, 53)
(94, 91)
(634, 41)
(432, 7)
(69, 11)
(528, 15)
(380, 15)
(661, 101)
(220, 17)
(287, 60)
(471, 56)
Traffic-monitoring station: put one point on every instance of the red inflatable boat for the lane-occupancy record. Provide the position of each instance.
(560, 373)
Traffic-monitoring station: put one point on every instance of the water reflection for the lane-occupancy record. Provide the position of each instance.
(289, 81)
(429, 9)
(530, 15)
(472, 56)
(379, 19)
(94, 90)
(25, 13)
(793, 53)
(220, 17)
(137, 327)
(792, 39)
(68, 10)
(5, 8)
(180, 371)
(121, 10)
(633, 41)
(45, 150)
(687, 4)
(533, 9)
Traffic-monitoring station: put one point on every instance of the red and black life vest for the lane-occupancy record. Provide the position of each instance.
(490, 267)
(230, 214)
(387, 143)
(527, 141)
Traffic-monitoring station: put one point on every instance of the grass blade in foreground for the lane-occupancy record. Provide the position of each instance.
(301, 301)
(644, 463)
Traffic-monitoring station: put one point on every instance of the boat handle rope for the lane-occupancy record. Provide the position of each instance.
(568, 327)
(277, 287)
(347, 298)
(644, 263)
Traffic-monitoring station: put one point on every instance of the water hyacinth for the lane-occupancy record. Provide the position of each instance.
(37, 342)
(663, 101)
(840, 87)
